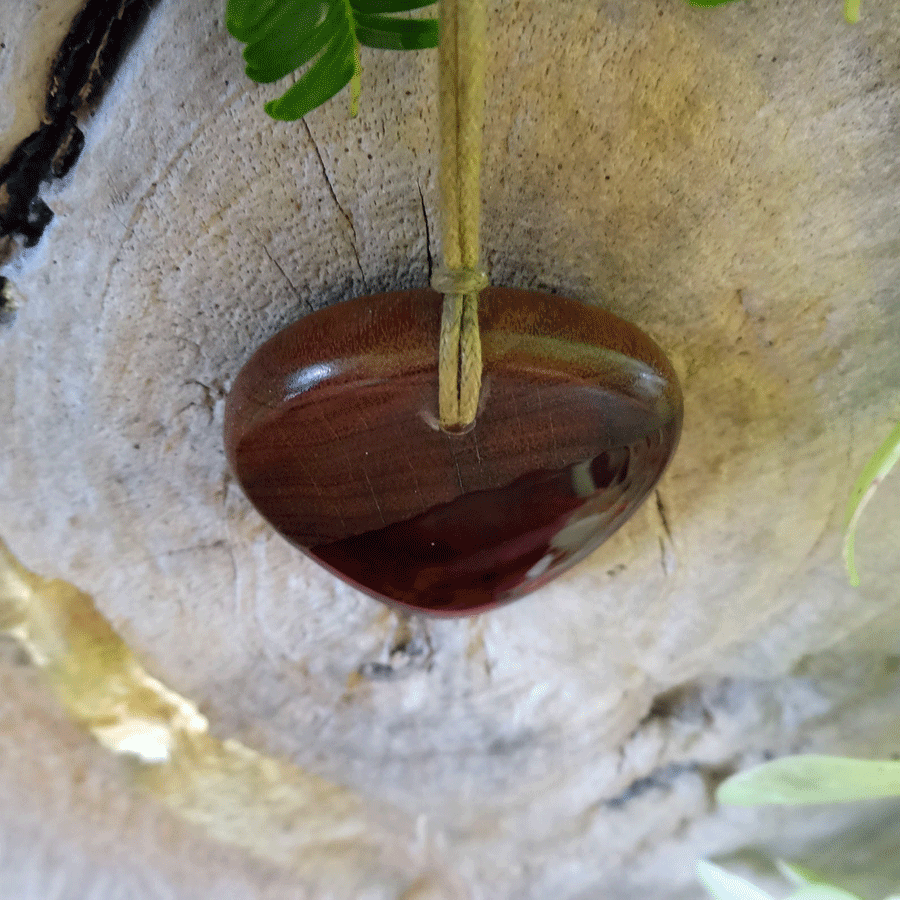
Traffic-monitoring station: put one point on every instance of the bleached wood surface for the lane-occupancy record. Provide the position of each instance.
(728, 179)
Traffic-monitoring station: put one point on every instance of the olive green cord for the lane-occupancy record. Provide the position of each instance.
(461, 61)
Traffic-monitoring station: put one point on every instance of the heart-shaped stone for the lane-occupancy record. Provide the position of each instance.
(331, 430)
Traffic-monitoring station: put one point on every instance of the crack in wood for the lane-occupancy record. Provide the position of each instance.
(664, 777)
(284, 275)
(663, 518)
(337, 203)
(427, 233)
(667, 543)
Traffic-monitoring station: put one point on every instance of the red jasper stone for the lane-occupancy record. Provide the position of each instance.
(331, 430)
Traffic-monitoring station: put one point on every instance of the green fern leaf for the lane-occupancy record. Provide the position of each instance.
(278, 53)
(377, 7)
(283, 36)
(330, 73)
(396, 34)
(244, 18)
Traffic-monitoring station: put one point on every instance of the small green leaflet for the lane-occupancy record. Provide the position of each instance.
(851, 7)
(797, 875)
(282, 36)
(811, 778)
(884, 459)
(722, 885)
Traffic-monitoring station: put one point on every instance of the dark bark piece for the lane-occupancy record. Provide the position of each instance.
(331, 431)
(89, 56)
(68, 151)
(22, 212)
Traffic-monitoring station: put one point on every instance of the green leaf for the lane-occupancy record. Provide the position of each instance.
(796, 875)
(723, 885)
(812, 779)
(245, 18)
(278, 52)
(396, 34)
(822, 892)
(881, 463)
(810, 886)
(328, 74)
(283, 36)
(708, 2)
(389, 6)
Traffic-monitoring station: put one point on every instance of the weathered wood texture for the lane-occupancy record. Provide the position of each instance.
(726, 179)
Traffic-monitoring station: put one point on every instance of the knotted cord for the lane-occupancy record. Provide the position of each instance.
(461, 60)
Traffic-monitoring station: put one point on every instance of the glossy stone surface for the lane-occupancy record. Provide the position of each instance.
(331, 430)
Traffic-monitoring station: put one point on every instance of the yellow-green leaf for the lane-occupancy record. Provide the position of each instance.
(884, 459)
(811, 779)
(722, 885)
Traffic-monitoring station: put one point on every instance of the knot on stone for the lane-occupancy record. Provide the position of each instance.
(459, 281)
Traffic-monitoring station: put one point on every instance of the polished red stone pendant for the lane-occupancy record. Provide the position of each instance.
(331, 430)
